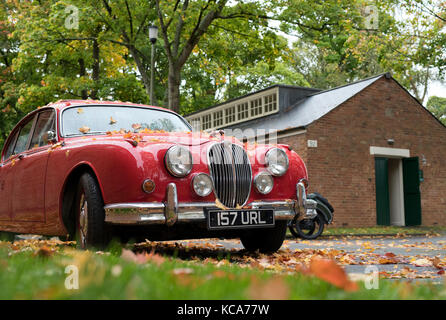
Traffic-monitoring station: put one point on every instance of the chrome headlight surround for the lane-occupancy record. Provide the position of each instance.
(202, 184)
(264, 182)
(178, 161)
(277, 162)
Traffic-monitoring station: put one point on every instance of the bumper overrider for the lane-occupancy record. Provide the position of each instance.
(172, 212)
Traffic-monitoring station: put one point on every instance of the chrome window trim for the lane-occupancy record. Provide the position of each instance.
(110, 105)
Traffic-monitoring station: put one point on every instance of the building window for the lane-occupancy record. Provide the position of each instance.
(270, 103)
(218, 119)
(195, 123)
(206, 121)
(256, 107)
(230, 115)
(242, 111)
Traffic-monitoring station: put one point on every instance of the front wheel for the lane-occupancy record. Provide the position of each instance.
(91, 229)
(265, 240)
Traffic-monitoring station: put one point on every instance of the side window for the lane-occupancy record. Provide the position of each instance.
(11, 145)
(22, 140)
(45, 122)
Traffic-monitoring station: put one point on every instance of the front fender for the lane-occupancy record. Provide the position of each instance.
(323, 208)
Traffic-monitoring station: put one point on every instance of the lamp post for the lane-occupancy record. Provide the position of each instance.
(153, 35)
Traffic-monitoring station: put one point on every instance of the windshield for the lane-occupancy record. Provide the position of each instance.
(101, 119)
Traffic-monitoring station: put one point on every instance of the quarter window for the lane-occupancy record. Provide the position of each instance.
(22, 140)
(11, 145)
(44, 124)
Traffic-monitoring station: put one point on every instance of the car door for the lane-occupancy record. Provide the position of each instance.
(6, 178)
(28, 192)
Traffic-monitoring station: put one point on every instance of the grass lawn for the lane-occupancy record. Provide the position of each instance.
(391, 230)
(30, 272)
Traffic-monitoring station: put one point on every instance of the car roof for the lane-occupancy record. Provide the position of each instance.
(62, 104)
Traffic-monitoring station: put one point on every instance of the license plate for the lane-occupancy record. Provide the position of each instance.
(232, 219)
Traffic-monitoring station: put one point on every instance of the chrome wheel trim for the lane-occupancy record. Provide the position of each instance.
(83, 221)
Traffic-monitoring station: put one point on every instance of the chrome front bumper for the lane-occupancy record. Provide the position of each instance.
(172, 212)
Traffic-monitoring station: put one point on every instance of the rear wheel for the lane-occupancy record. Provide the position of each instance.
(91, 229)
(265, 240)
(308, 229)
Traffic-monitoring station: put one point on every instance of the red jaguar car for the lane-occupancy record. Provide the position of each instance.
(92, 170)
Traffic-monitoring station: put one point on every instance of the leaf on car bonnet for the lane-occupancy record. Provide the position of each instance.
(220, 205)
(136, 126)
(328, 270)
(112, 121)
(84, 129)
(80, 110)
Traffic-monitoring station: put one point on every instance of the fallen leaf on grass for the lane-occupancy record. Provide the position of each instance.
(273, 289)
(141, 258)
(45, 252)
(331, 272)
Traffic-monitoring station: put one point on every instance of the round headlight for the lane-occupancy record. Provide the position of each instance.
(178, 161)
(202, 184)
(276, 162)
(264, 182)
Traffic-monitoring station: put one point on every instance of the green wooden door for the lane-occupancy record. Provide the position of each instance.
(382, 192)
(412, 196)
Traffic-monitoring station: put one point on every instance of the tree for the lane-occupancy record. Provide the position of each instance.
(437, 105)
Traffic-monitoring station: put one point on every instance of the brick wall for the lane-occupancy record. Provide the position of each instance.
(341, 167)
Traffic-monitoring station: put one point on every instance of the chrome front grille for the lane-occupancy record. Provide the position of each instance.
(231, 172)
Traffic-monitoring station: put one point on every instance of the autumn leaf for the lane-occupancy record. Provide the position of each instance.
(328, 270)
(84, 129)
(220, 205)
(422, 263)
(136, 126)
(130, 256)
(112, 121)
(273, 289)
(80, 110)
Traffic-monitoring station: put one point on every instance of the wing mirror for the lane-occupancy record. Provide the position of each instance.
(51, 136)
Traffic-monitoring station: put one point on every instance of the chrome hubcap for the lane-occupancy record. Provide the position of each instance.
(83, 221)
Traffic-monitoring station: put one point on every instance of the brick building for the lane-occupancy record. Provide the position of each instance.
(370, 147)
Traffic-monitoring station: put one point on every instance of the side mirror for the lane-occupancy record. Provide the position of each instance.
(51, 136)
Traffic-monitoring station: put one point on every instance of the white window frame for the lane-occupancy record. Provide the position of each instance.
(261, 95)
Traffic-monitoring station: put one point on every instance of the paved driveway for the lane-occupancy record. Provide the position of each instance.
(401, 258)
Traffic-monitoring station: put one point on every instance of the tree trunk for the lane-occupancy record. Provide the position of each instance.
(96, 64)
(82, 73)
(142, 70)
(174, 87)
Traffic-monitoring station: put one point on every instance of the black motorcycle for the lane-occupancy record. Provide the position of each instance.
(312, 228)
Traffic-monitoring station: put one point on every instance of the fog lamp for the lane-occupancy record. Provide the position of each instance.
(202, 184)
(264, 182)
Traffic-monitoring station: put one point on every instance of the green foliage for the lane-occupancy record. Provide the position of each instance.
(208, 51)
(437, 105)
